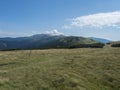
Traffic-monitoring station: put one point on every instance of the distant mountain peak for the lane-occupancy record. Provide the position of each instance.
(101, 40)
(47, 40)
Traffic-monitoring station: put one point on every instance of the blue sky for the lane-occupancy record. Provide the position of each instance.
(88, 18)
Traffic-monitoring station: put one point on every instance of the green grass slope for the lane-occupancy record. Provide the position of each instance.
(60, 69)
(69, 41)
(41, 41)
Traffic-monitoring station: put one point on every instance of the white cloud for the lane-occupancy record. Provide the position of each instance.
(98, 20)
(53, 32)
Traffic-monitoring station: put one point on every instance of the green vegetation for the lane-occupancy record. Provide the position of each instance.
(94, 45)
(43, 41)
(60, 69)
(115, 44)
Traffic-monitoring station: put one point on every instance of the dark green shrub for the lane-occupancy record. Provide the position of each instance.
(115, 45)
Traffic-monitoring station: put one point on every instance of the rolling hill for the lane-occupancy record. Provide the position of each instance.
(41, 41)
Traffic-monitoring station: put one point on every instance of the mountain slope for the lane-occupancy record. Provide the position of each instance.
(69, 41)
(40, 41)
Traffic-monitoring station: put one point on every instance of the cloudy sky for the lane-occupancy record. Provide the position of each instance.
(88, 18)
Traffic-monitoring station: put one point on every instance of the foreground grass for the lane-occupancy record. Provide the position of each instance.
(62, 69)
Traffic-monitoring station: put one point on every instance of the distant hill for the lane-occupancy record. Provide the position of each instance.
(68, 41)
(41, 41)
(115, 44)
(101, 40)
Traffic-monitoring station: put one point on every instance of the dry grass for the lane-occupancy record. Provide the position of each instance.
(60, 69)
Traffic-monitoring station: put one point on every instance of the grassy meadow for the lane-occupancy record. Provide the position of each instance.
(60, 69)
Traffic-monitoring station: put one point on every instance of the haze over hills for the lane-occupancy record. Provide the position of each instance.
(39, 41)
(101, 40)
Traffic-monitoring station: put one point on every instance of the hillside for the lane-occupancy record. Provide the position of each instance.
(69, 41)
(60, 69)
(34, 41)
(115, 44)
(43, 41)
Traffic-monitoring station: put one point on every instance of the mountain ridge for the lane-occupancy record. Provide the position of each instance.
(40, 41)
